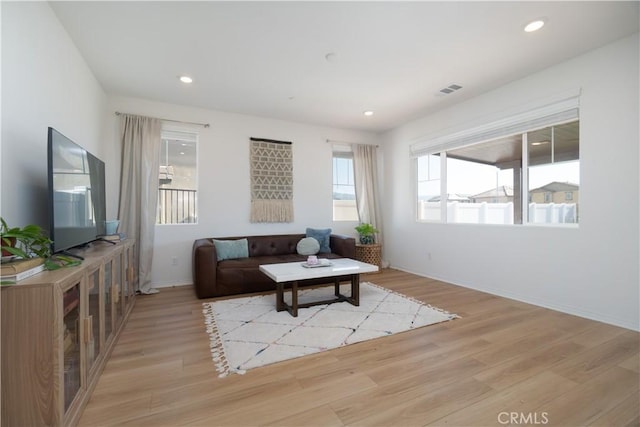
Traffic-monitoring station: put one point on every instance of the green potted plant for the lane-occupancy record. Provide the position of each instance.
(31, 241)
(26, 242)
(367, 233)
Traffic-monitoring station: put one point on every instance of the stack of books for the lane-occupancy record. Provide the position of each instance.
(15, 271)
(113, 237)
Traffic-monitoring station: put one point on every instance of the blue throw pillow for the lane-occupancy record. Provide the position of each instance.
(231, 249)
(322, 236)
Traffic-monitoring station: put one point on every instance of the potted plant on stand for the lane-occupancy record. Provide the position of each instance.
(368, 251)
(366, 233)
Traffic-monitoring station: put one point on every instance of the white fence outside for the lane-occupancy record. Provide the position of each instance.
(553, 213)
(498, 213)
(345, 210)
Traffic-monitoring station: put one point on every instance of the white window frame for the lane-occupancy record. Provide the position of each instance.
(557, 110)
(443, 206)
(549, 112)
(342, 151)
(177, 132)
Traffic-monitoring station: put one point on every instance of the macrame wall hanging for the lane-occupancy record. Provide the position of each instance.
(271, 181)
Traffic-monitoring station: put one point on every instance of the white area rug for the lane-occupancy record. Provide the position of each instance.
(248, 332)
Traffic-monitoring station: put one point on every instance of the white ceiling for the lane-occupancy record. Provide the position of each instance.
(268, 58)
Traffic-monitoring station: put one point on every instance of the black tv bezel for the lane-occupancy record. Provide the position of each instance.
(99, 228)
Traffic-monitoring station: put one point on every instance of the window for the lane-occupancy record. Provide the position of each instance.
(480, 182)
(554, 169)
(177, 192)
(344, 190)
(429, 202)
(486, 182)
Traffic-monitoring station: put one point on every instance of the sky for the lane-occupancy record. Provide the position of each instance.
(468, 178)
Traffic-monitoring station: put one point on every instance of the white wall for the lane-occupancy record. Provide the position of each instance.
(223, 180)
(592, 270)
(45, 82)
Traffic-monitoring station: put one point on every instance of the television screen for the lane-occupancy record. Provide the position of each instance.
(77, 201)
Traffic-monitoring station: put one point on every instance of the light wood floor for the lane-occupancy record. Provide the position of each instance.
(501, 359)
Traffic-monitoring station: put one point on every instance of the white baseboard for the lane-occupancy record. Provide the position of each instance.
(568, 309)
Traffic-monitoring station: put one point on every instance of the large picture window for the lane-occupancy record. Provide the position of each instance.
(530, 177)
(177, 191)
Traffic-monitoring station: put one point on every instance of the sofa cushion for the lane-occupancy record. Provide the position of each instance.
(284, 244)
(231, 249)
(308, 246)
(255, 262)
(322, 235)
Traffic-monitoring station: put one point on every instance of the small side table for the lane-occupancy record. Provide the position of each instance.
(371, 254)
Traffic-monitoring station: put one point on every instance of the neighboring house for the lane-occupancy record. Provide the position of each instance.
(502, 194)
(453, 197)
(556, 192)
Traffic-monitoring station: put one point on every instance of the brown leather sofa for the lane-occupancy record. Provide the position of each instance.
(213, 278)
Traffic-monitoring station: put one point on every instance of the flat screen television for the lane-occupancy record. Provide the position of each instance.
(77, 198)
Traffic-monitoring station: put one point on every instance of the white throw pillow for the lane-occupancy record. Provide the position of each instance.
(308, 246)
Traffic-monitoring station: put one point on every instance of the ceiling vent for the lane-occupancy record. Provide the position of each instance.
(450, 89)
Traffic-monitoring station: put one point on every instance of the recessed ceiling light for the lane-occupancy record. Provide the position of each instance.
(186, 79)
(534, 25)
(368, 113)
(182, 153)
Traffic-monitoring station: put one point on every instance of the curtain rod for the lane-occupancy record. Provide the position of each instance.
(206, 125)
(335, 141)
(275, 141)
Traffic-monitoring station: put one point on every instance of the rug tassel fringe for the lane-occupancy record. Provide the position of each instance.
(215, 342)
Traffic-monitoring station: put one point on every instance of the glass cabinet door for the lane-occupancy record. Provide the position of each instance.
(71, 344)
(108, 300)
(94, 343)
(126, 280)
(133, 271)
(117, 289)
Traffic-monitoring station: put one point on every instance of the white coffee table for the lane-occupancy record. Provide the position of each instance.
(295, 273)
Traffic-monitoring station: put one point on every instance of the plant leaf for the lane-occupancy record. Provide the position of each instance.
(15, 251)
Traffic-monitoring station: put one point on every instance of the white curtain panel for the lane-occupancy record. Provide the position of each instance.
(365, 169)
(139, 189)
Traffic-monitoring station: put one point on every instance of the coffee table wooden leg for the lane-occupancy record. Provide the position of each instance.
(280, 297)
(337, 287)
(294, 299)
(355, 289)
